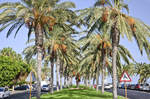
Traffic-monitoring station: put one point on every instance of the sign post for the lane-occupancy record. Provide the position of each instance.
(30, 84)
(125, 90)
(125, 78)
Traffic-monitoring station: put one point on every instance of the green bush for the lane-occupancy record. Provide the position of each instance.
(11, 69)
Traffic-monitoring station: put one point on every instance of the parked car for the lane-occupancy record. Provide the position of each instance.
(23, 87)
(45, 88)
(122, 86)
(33, 87)
(119, 86)
(133, 86)
(138, 86)
(108, 86)
(4, 92)
(141, 86)
(146, 87)
(128, 86)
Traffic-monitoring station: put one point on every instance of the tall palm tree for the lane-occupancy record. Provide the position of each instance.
(63, 48)
(99, 43)
(34, 14)
(100, 46)
(109, 15)
(37, 16)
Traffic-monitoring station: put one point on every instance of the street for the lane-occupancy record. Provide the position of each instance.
(22, 94)
(19, 95)
(133, 94)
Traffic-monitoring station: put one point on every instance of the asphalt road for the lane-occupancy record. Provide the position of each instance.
(22, 94)
(19, 95)
(133, 94)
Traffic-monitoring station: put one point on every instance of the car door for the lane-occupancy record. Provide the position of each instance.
(145, 87)
(6, 92)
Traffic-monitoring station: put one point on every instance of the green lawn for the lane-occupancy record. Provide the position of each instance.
(78, 94)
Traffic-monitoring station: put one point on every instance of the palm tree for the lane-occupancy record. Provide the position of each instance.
(98, 53)
(34, 15)
(142, 69)
(62, 49)
(104, 47)
(37, 16)
(111, 17)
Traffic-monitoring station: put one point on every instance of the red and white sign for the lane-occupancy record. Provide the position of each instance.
(125, 77)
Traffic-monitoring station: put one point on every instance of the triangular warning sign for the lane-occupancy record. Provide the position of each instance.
(125, 77)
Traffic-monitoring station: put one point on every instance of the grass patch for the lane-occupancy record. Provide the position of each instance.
(78, 94)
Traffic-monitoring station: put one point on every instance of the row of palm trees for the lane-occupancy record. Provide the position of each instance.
(52, 25)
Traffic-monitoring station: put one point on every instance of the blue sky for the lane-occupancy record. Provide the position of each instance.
(138, 9)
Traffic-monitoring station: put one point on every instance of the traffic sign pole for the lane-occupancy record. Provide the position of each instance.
(125, 90)
(30, 84)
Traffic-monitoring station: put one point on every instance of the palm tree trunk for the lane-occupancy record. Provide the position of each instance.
(13, 87)
(97, 78)
(86, 81)
(52, 76)
(66, 78)
(77, 83)
(89, 83)
(115, 42)
(39, 63)
(39, 45)
(61, 74)
(65, 81)
(93, 81)
(71, 81)
(57, 74)
(103, 69)
(60, 81)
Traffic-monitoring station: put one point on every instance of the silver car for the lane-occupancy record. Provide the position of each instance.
(4, 92)
(108, 86)
(146, 87)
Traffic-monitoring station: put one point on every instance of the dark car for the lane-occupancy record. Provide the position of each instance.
(122, 86)
(129, 86)
(133, 86)
(23, 87)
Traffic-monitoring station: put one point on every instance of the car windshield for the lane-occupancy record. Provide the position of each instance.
(45, 85)
(1, 89)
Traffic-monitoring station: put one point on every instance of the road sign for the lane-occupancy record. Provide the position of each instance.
(125, 77)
